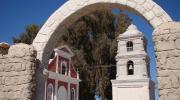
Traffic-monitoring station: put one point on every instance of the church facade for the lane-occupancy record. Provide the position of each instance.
(133, 77)
(62, 80)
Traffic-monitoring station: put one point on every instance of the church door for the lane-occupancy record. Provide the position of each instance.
(62, 93)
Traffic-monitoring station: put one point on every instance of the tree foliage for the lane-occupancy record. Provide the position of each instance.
(93, 38)
(27, 36)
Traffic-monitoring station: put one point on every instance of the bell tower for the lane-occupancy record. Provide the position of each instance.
(133, 77)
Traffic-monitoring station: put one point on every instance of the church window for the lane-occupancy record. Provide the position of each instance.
(130, 68)
(50, 92)
(73, 94)
(129, 46)
(63, 69)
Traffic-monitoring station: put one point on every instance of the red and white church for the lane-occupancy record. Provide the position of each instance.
(62, 80)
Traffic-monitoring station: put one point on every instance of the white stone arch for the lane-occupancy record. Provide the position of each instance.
(62, 93)
(69, 12)
(74, 9)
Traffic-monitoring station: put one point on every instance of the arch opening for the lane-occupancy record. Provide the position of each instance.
(129, 46)
(130, 67)
(62, 93)
(60, 20)
(50, 93)
(63, 69)
(71, 11)
(73, 94)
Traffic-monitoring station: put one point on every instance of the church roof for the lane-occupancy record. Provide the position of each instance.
(65, 49)
(131, 31)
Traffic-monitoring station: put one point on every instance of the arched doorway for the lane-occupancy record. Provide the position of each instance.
(62, 93)
(50, 92)
(72, 10)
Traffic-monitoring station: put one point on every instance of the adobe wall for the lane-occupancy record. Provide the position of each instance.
(167, 48)
(17, 70)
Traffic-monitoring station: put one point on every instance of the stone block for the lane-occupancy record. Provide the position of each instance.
(140, 2)
(131, 4)
(72, 5)
(1, 80)
(15, 60)
(19, 67)
(65, 11)
(13, 88)
(162, 97)
(163, 73)
(157, 11)
(10, 81)
(175, 30)
(30, 66)
(173, 63)
(164, 83)
(177, 35)
(164, 92)
(175, 82)
(42, 37)
(174, 53)
(123, 2)
(140, 9)
(177, 43)
(158, 33)
(24, 79)
(14, 95)
(164, 45)
(21, 50)
(162, 57)
(39, 46)
(3, 96)
(148, 5)
(8, 67)
(149, 15)
(172, 96)
(156, 21)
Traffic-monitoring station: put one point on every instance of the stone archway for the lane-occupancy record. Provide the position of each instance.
(74, 9)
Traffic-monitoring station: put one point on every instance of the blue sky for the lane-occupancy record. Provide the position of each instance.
(15, 15)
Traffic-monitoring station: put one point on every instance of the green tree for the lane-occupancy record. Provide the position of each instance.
(93, 39)
(27, 36)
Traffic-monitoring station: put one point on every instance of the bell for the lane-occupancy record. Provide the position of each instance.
(130, 67)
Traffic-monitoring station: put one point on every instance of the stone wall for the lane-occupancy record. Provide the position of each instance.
(17, 70)
(167, 48)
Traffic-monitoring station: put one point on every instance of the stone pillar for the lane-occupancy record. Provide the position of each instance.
(56, 81)
(17, 71)
(56, 90)
(77, 92)
(167, 49)
(69, 91)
